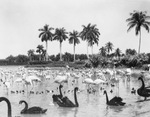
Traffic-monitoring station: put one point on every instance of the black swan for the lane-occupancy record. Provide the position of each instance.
(8, 104)
(57, 97)
(143, 91)
(65, 102)
(32, 110)
(116, 101)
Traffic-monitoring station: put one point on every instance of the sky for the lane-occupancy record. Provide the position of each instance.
(21, 19)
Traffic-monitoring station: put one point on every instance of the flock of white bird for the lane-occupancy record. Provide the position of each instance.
(88, 76)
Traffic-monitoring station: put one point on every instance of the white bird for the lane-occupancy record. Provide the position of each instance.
(121, 72)
(33, 78)
(62, 78)
(88, 81)
(7, 84)
(48, 76)
(128, 71)
(29, 79)
(18, 80)
(98, 81)
(76, 76)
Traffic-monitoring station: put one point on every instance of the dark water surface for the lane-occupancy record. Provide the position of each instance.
(90, 105)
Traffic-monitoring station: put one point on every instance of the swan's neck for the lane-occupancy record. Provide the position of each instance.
(60, 90)
(9, 106)
(143, 84)
(107, 100)
(75, 98)
(25, 108)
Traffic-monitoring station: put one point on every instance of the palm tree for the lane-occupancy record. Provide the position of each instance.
(93, 37)
(30, 53)
(74, 38)
(90, 33)
(103, 51)
(109, 47)
(46, 35)
(138, 20)
(44, 54)
(118, 53)
(60, 35)
(39, 50)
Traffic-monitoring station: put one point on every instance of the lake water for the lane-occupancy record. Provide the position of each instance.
(90, 105)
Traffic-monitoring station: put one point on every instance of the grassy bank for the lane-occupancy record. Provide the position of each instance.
(59, 64)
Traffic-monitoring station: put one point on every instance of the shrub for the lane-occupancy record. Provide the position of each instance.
(39, 62)
(80, 62)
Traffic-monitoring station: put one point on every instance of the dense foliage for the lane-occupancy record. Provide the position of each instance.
(108, 56)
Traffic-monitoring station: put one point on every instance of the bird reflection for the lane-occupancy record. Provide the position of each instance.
(68, 111)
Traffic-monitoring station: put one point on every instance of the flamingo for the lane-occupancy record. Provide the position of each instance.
(88, 81)
(62, 78)
(128, 73)
(98, 81)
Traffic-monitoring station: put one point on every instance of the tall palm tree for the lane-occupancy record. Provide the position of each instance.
(46, 35)
(44, 54)
(74, 39)
(138, 20)
(90, 34)
(60, 35)
(109, 47)
(39, 50)
(93, 37)
(30, 53)
(103, 51)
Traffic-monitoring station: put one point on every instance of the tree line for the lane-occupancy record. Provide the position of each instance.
(107, 56)
(90, 33)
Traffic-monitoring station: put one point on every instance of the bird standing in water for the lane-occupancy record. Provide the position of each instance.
(143, 91)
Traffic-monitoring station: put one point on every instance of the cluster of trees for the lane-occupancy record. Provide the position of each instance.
(24, 59)
(90, 34)
(130, 58)
(107, 57)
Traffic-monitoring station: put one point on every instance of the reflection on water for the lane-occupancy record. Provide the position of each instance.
(89, 104)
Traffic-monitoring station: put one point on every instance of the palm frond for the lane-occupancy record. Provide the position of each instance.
(41, 34)
(146, 27)
(146, 22)
(131, 26)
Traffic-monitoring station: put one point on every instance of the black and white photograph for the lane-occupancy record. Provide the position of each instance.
(74, 58)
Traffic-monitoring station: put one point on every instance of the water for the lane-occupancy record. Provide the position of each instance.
(89, 104)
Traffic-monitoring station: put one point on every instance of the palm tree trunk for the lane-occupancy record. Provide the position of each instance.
(87, 51)
(60, 52)
(46, 51)
(139, 42)
(74, 53)
(40, 57)
(30, 57)
(92, 50)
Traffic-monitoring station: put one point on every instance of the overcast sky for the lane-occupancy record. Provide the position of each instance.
(21, 19)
